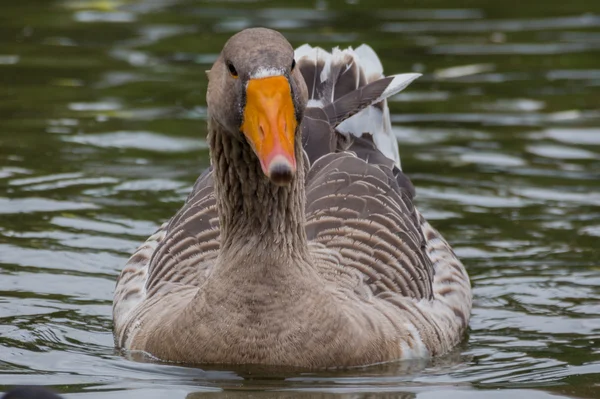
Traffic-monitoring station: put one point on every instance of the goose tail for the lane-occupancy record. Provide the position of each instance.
(349, 85)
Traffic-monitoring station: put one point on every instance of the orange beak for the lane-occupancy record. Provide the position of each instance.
(270, 126)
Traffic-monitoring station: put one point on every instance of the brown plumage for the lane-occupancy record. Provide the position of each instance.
(321, 260)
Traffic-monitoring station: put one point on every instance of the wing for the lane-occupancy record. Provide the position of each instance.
(176, 258)
(361, 211)
(191, 243)
(361, 220)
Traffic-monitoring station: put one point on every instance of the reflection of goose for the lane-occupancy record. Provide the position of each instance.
(30, 393)
(301, 245)
(298, 395)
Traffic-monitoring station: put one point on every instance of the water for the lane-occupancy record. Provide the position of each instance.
(102, 126)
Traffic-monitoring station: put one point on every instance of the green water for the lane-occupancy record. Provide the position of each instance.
(102, 133)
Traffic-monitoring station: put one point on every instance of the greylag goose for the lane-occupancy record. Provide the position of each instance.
(300, 245)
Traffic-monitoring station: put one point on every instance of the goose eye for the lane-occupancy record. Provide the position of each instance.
(232, 70)
(293, 65)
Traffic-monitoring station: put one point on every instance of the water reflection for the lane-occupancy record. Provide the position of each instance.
(102, 126)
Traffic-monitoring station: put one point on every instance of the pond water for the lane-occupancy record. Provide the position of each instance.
(102, 133)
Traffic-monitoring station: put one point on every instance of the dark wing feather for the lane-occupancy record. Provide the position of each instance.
(358, 202)
(317, 137)
(191, 242)
(312, 67)
(353, 102)
(360, 211)
(344, 75)
(365, 149)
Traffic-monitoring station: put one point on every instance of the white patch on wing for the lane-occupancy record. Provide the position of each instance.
(369, 120)
(370, 63)
(327, 68)
(419, 350)
(312, 103)
(303, 51)
(266, 72)
(399, 83)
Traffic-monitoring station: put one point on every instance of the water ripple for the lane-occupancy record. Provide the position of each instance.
(103, 124)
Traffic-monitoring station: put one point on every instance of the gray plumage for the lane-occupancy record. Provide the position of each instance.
(336, 269)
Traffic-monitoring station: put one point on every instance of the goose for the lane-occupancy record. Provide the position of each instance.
(300, 245)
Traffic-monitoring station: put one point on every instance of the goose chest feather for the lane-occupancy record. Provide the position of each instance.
(300, 245)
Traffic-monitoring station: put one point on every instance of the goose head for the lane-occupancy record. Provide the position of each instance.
(256, 94)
